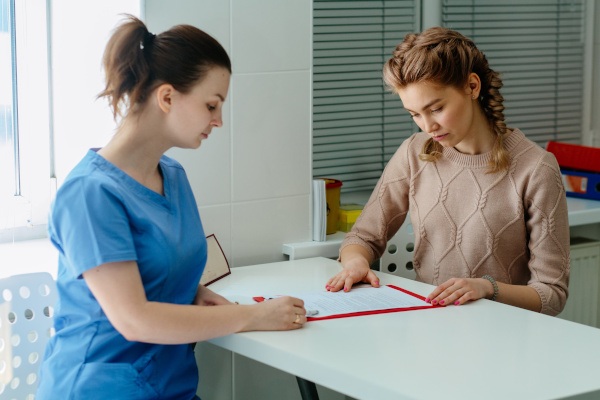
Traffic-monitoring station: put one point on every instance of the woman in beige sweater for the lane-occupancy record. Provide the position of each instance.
(487, 204)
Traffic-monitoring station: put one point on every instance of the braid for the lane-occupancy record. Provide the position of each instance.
(492, 103)
(446, 57)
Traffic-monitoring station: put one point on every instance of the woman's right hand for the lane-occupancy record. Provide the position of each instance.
(278, 314)
(354, 269)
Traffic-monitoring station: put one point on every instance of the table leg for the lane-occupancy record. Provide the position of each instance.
(308, 389)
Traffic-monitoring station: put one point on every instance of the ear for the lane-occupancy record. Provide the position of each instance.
(164, 97)
(473, 87)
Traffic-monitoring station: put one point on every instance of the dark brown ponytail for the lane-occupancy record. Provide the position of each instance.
(136, 61)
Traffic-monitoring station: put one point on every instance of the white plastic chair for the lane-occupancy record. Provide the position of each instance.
(398, 256)
(26, 310)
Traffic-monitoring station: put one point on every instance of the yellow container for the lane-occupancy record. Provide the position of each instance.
(348, 215)
(332, 196)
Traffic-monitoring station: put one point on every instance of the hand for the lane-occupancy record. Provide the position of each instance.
(355, 270)
(281, 313)
(458, 291)
(206, 297)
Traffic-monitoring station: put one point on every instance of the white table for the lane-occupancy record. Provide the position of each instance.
(482, 350)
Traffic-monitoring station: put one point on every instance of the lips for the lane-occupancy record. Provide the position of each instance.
(439, 137)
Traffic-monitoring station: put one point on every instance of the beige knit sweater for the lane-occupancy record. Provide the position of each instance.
(512, 225)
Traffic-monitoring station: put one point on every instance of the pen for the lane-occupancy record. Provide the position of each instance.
(309, 313)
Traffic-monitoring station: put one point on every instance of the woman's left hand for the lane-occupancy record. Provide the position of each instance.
(458, 291)
(206, 297)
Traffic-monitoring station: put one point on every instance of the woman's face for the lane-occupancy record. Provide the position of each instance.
(452, 117)
(194, 114)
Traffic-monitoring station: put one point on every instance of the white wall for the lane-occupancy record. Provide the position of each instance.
(252, 177)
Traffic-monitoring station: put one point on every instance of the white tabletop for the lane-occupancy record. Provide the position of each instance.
(480, 350)
(583, 211)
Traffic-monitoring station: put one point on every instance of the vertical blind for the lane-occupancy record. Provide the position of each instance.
(538, 48)
(357, 123)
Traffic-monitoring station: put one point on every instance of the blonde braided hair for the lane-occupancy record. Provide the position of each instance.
(446, 57)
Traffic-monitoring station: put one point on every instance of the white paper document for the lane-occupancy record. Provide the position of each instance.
(358, 301)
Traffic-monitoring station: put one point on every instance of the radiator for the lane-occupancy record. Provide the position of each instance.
(584, 285)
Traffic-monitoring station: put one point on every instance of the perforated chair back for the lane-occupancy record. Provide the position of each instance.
(398, 256)
(26, 309)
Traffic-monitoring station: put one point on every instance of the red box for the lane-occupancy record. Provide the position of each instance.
(574, 156)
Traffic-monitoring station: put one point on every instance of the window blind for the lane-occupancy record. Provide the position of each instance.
(538, 48)
(357, 123)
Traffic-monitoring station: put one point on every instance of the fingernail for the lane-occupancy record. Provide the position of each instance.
(434, 302)
(456, 303)
(327, 287)
(345, 289)
(428, 300)
(442, 302)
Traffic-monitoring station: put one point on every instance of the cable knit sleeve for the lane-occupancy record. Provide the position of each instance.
(387, 207)
(548, 228)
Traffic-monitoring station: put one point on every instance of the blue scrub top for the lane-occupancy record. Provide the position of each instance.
(102, 215)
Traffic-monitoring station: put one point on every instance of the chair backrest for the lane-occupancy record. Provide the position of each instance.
(398, 256)
(26, 323)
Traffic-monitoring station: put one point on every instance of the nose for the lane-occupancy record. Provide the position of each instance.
(217, 120)
(430, 125)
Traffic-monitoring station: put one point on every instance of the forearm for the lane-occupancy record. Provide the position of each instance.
(165, 323)
(118, 289)
(518, 296)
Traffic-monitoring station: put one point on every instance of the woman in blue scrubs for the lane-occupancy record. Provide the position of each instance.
(130, 240)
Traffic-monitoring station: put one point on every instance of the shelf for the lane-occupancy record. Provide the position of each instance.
(581, 212)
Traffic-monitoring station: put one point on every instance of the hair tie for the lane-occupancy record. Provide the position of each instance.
(148, 40)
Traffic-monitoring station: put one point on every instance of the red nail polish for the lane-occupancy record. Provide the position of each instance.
(456, 303)
(442, 302)
(428, 300)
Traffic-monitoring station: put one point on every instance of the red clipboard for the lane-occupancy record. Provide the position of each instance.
(370, 312)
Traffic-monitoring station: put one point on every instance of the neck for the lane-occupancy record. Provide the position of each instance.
(136, 148)
(482, 136)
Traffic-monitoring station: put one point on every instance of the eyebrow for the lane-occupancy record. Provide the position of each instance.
(426, 105)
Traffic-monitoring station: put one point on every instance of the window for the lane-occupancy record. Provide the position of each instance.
(536, 45)
(7, 92)
(24, 118)
(49, 117)
(357, 123)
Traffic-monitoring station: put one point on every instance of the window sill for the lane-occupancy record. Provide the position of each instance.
(27, 256)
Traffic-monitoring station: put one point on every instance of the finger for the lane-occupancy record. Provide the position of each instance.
(299, 319)
(298, 303)
(452, 295)
(437, 294)
(372, 279)
(348, 284)
(336, 285)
